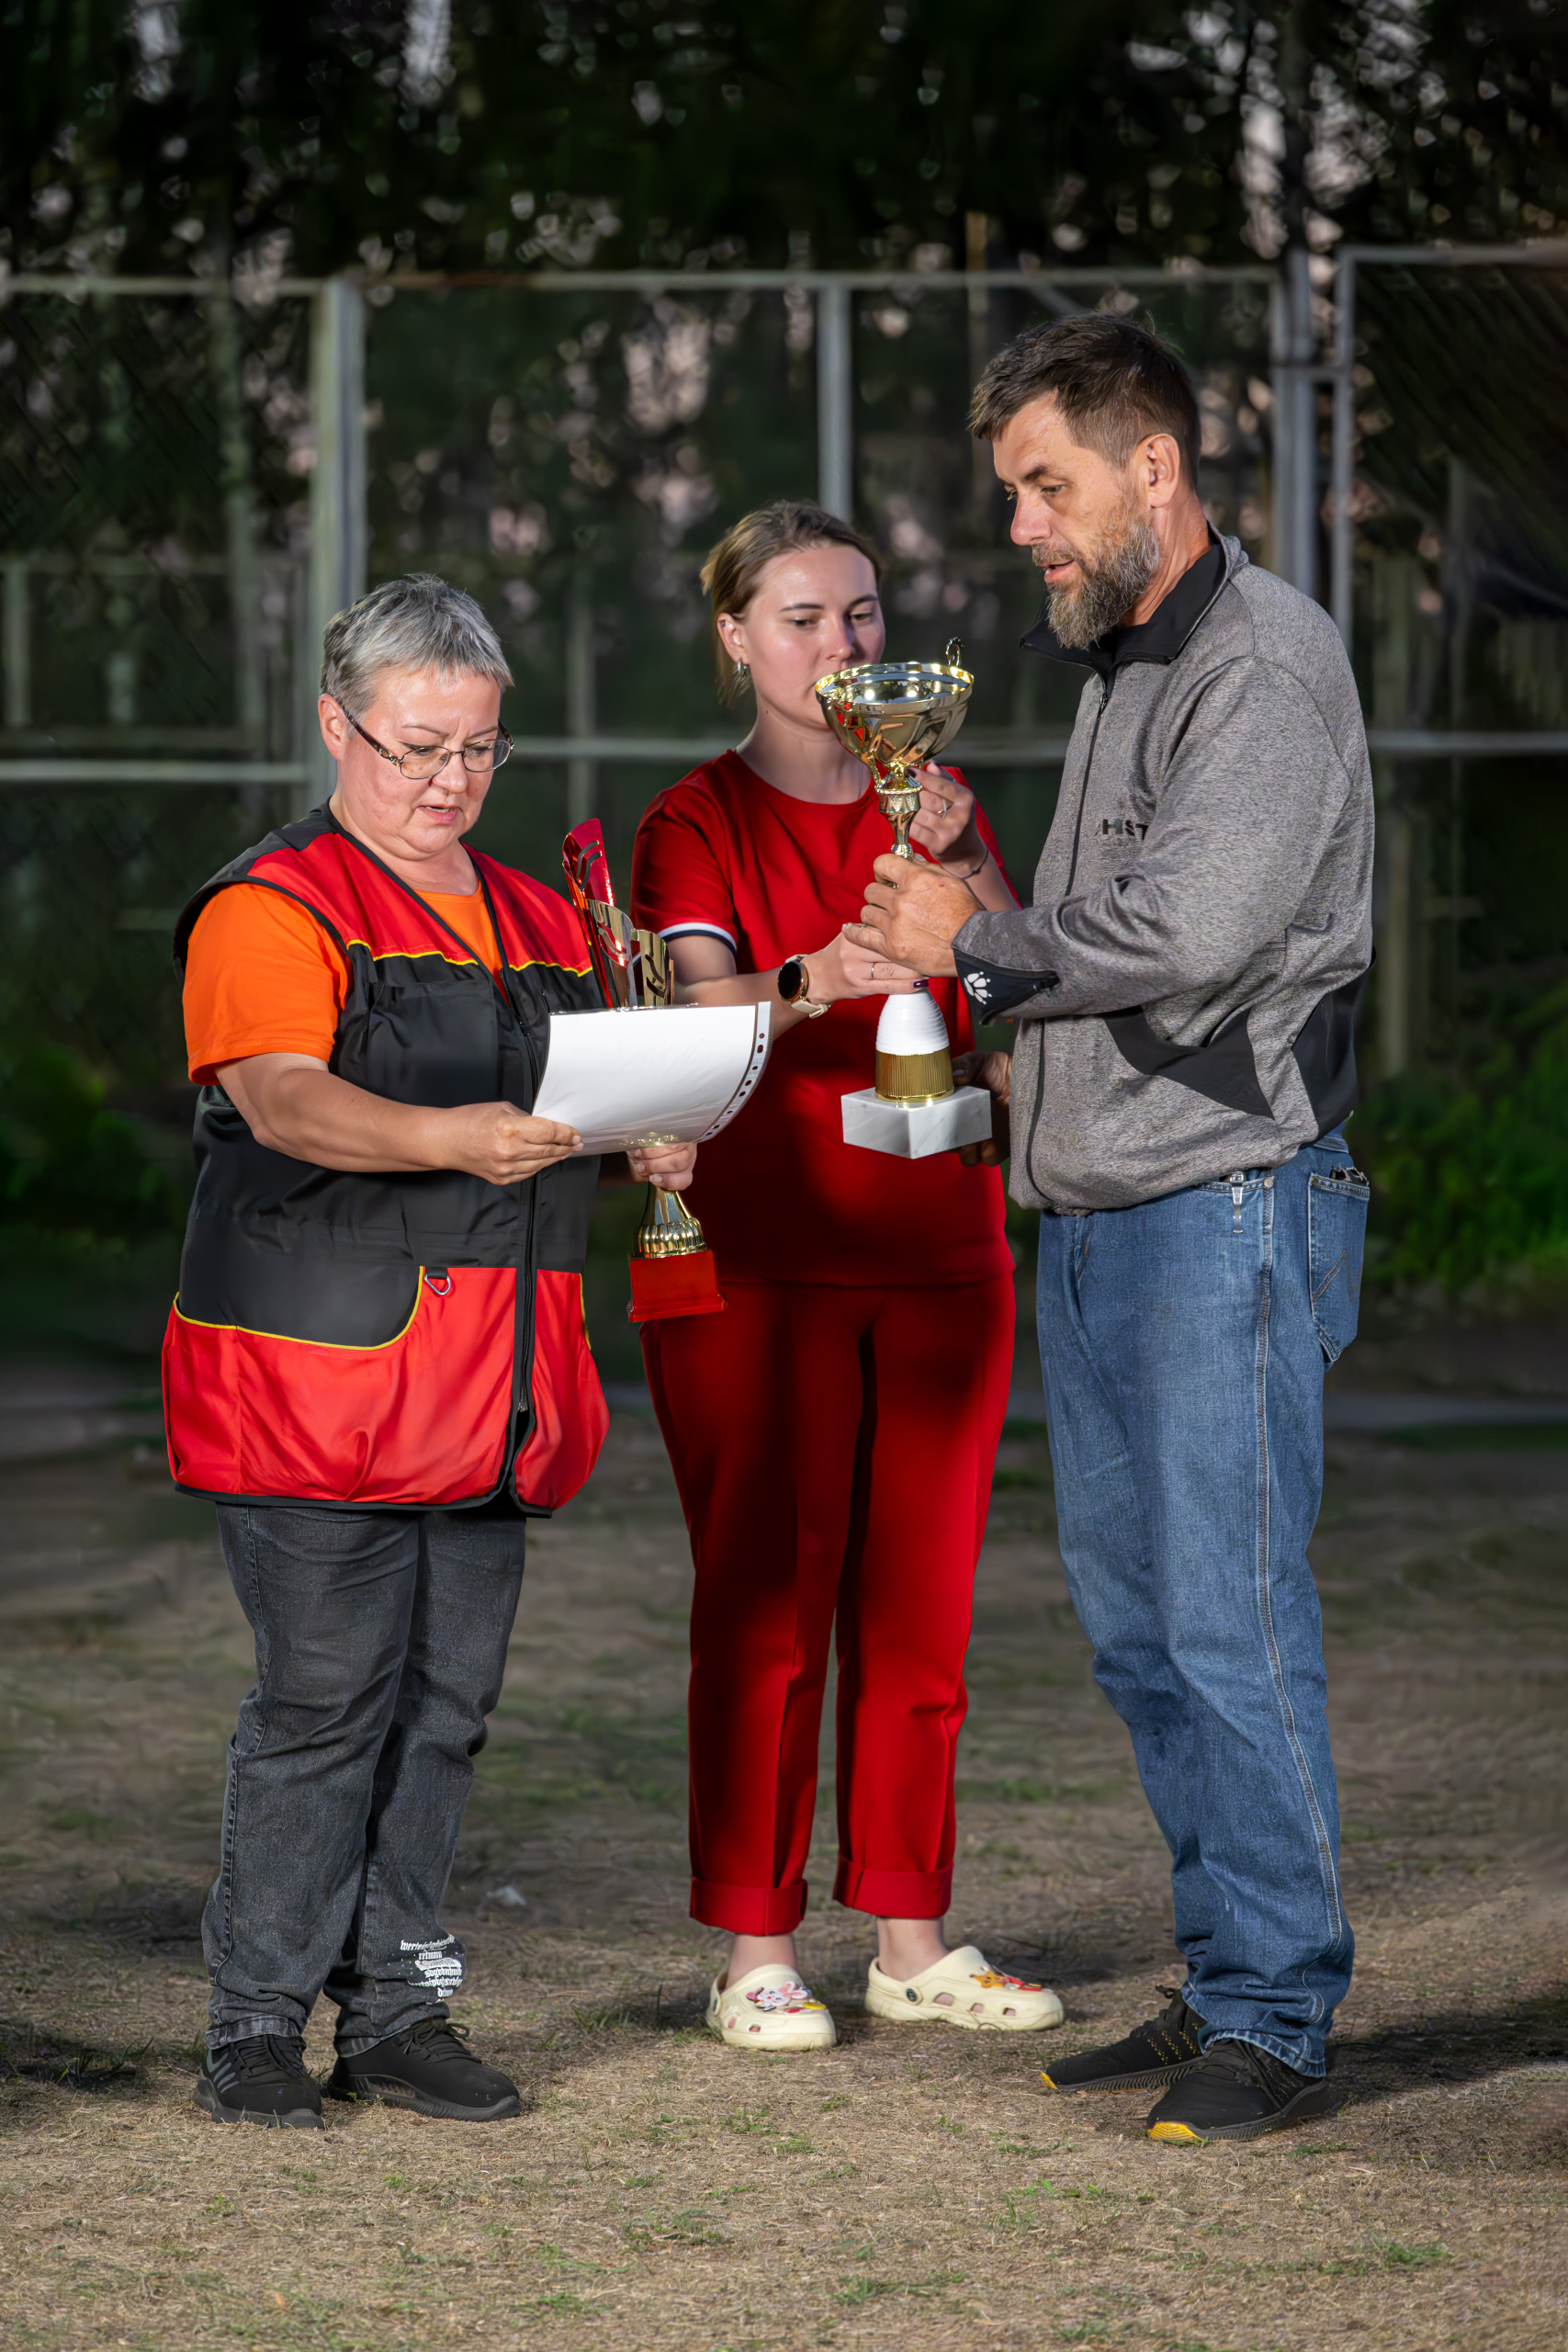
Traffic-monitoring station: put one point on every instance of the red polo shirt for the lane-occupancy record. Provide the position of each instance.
(780, 1195)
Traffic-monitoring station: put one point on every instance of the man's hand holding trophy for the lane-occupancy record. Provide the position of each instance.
(895, 717)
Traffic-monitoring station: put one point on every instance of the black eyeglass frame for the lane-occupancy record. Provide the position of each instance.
(397, 758)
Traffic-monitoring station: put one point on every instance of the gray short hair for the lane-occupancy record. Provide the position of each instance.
(420, 622)
(1114, 382)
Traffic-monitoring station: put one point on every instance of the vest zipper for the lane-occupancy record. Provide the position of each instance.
(1072, 875)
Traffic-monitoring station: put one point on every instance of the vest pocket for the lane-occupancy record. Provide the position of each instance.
(571, 1419)
(423, 1420)
(1336, 1237)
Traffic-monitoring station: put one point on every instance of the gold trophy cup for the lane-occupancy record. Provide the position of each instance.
(673, 1268)
(895, 716)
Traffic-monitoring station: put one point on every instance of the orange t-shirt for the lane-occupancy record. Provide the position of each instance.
(263, 977)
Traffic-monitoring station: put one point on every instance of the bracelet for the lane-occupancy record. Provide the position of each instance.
(972, 870)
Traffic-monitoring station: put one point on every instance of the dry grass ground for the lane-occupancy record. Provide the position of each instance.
(913, 2188)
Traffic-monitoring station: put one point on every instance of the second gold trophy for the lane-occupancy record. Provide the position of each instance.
(894, 717)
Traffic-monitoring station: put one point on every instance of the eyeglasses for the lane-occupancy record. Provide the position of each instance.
(478, 759)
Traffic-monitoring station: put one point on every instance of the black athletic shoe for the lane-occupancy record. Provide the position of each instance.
(260, 2081)
(430, 2068)
(1154, 2054)
(1238, 2092)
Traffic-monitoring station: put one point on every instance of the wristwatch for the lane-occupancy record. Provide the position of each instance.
(794, 981)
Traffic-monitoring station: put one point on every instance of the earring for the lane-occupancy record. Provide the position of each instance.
(743, 674)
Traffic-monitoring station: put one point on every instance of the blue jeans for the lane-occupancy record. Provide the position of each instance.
(380, 1644)
(1182, 1345)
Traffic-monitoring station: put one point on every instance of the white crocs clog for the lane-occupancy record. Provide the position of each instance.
(964, 1989)
(769, 2010)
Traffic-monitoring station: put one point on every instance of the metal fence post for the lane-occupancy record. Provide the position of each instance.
(835, 403)
(239, 503)
(337, 498)
(1342, 521)
(1295, 429)
(581, 771)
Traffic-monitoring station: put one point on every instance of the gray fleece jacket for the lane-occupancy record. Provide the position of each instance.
(1186, 981)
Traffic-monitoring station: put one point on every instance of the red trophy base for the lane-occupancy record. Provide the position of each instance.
(684, 1286)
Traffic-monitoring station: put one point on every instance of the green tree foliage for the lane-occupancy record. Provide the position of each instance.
(487, 133)
(1469, 1173)
(67, 1165)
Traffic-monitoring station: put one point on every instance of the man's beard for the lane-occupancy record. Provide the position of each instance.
(1109, 583)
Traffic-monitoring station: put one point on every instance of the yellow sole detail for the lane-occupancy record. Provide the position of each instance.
(1178, 2132)
(1046, 2080)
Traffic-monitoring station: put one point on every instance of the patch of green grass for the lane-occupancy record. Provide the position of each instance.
(1396, 2257)
(796, 2144)
(98, 1826)
(692, 2227)
(745, 2119)
(856, 2292)
(832, 2106)
(608, 2017)
(395, 2180)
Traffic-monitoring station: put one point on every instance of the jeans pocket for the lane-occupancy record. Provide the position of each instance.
(1337, 1239)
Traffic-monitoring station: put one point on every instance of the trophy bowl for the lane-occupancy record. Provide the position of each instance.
(895, 716)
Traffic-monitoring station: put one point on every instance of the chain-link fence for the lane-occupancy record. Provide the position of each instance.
(153, 492)
(1451, 516)
(192, 486)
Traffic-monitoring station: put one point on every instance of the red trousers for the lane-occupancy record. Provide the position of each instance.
(833, 1450)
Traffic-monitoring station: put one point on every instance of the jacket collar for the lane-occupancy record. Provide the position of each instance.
(1159, 639)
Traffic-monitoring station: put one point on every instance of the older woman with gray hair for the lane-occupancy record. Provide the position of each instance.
(376, 1366)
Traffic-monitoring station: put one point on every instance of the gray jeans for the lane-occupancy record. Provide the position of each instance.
(380, 1643)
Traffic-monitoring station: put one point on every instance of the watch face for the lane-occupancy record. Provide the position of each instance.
(792, 980)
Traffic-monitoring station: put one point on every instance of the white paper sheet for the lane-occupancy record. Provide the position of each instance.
(676, 1076)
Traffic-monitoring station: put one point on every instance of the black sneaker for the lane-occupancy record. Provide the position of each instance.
(1238, 2092)
(261, 2080)
(429, 2068)
(1154, 2054)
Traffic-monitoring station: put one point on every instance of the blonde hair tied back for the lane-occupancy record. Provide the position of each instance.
(734, 568)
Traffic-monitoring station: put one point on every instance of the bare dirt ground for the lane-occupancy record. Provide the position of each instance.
(914, 2188)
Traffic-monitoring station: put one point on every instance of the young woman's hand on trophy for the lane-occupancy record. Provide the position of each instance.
(946, 829)
(668, 1165)
(835, 972)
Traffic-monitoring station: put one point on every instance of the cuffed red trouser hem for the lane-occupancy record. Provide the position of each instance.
(749, 1910)
(893, 1894)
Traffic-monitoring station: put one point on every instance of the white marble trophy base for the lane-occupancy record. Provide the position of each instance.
(914, 1130)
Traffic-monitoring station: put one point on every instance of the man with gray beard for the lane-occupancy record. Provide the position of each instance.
(1185, 986)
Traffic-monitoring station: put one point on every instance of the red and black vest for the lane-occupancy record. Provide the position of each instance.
(397, 1342)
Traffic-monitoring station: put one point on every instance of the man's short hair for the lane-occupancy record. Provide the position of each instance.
(418, 622)
(1115, 383)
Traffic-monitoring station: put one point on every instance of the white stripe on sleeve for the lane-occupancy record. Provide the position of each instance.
(699, 931)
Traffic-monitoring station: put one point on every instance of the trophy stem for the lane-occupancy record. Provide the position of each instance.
(900, 800)
(668, 1228)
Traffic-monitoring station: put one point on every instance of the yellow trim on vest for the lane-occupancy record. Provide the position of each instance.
(341, 1346)
(534, 963)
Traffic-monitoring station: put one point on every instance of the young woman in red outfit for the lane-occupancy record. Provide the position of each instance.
(833, 1431)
